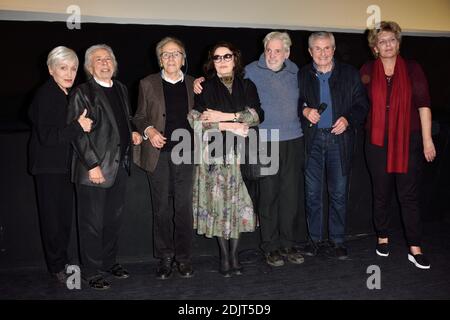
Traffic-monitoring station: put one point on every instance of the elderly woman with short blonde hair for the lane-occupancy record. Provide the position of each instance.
(49, 152)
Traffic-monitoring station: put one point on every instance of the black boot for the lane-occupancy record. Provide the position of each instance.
(236, 267)
(224, 269)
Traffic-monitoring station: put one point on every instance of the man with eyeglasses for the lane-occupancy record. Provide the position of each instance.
(334, 104)
(280, 196)
(164, 101)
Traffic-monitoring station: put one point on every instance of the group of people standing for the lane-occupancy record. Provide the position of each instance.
(86, 138)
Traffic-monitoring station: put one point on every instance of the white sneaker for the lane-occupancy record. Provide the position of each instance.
(419, 260)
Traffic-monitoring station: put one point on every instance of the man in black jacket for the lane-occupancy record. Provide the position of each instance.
(333, 102)
(101, 164)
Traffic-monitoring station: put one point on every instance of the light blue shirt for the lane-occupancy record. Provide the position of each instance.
(326, 118)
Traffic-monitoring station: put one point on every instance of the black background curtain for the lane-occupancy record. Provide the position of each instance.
(25, 46)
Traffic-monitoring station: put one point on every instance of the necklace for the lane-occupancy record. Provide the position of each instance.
(228, 82)
(389, 78)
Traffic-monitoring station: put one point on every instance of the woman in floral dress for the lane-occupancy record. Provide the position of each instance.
(226, 108)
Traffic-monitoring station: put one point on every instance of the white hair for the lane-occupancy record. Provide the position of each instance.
(283, 36)
(59, 54)
(90, 51)
(321, 35)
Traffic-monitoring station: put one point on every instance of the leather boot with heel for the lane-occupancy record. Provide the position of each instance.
(224, 268)
(236, 267)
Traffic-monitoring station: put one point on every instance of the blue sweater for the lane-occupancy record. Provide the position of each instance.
(278, 93)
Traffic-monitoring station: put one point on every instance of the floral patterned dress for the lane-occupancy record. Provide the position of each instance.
(222, 205)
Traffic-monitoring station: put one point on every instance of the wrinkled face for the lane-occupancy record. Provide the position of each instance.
(102, 67)
(171, 58)
(64, 73)
(387, 45)
(322, 52)
(223, 61)
(275, 54)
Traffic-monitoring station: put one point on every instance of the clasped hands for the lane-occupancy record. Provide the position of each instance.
(223, 118)
(211, 115)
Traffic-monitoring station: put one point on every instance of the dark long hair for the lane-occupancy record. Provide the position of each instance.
(209, 68)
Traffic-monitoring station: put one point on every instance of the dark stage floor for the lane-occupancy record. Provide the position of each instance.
(318, 277)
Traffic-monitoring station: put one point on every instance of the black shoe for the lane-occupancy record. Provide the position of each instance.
(274, 259)
(164, 270)
(239, 271)
(339, 252)
(225, 268)
(99, 284)
(310, 250)
(292, 255)
(236, 267)
(119, 272)
(419, 260)
(382, 249)
(225, 272)
(185, 270)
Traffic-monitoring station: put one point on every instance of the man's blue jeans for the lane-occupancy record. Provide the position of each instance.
(324, 161)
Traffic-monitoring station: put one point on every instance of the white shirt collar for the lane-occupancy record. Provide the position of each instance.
(165, 78)
(103, 83)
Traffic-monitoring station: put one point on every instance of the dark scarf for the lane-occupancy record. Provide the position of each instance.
(399, 114)
(216, 96)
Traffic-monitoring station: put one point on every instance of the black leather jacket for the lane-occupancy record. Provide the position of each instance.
(101, 146)
(349, 99)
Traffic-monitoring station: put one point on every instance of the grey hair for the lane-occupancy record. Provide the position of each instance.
(283, 36)
(167, 40)
(321, 35)
(59, 54)
(90, 51)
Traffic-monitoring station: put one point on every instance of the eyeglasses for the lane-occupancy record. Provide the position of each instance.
(174, 55)
(226, 57)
